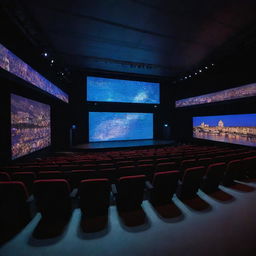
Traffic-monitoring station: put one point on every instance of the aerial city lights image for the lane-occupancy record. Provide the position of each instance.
(237, 129)
(30, 126)
(11, 63)
(244, 91)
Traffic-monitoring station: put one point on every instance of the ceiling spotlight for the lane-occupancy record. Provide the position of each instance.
(189, 76)
(195, 74)
(206, 67)
(52, 61)
(200, 70)
(165, 125)
(212, 64)
(155, 106)
(186, 77)
(45, 54)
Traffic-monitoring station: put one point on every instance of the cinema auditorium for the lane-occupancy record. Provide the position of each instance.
(127, 128)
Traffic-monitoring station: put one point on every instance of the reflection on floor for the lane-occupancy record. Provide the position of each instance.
(221, 223)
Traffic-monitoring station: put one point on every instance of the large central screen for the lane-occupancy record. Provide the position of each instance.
(109, 126)
(124, 91)
(237, 129)
(30, 126)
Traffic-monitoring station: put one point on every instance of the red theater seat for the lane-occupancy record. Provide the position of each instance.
(4, 176)
(249, 166)
(27, 178)
(53, 198)
(213, 177)
(190, 182)
(165, 167)
(94, 195)
(232, 172)
(164, 186)
(77, 175)
(50, 175)
(14, 206)
(130, 191)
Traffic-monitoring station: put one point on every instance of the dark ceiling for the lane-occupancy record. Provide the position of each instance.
(160, 38)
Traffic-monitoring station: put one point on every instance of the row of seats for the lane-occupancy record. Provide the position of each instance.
(53, 198)
(177, 153)
(238, 168)
(158, 164)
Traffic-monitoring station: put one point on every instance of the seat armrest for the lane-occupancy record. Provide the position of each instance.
(113, 188)
(149, 185)
(74, 193)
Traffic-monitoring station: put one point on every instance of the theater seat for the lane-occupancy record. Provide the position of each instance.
(4, 176)
(27, 178)
(190, 182)
(249, 166)
(213, 177)
(53, 198)
(14, 207)
(233, 169)
(165, 167)
(164, 185)
(130, 191)
(50, 175)
(94, 196)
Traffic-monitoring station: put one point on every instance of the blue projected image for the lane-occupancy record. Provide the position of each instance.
(109, 126)
(237, 129)
(123, 91)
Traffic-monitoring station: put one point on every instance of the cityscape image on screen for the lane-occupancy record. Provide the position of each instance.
(109, 126)
(236, 129)
(244, 91)
(17, 67)
(123, 91)
(30, 126)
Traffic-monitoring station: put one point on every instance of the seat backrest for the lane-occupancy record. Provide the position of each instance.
(166, 180)
(26, 177)
(234, 166)
(193, 176)
(48, 189)
(94, 194)
(216, 170)
(126, 171)
(78, 175)
(167, 166)
(188, 163)
(13, 192)
(4, 176)
(131, 188)
(50, 175)
(204, 161)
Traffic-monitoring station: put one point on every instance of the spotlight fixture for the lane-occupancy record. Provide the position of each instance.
(165, 125)
(200, 71)
(212, 64)
(186, 77)
(45, 54)
(189, 76)
(196, 74)
(52, 61)
(206, 67)
(155, 106)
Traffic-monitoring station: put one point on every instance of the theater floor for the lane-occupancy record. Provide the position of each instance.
(221, 224)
